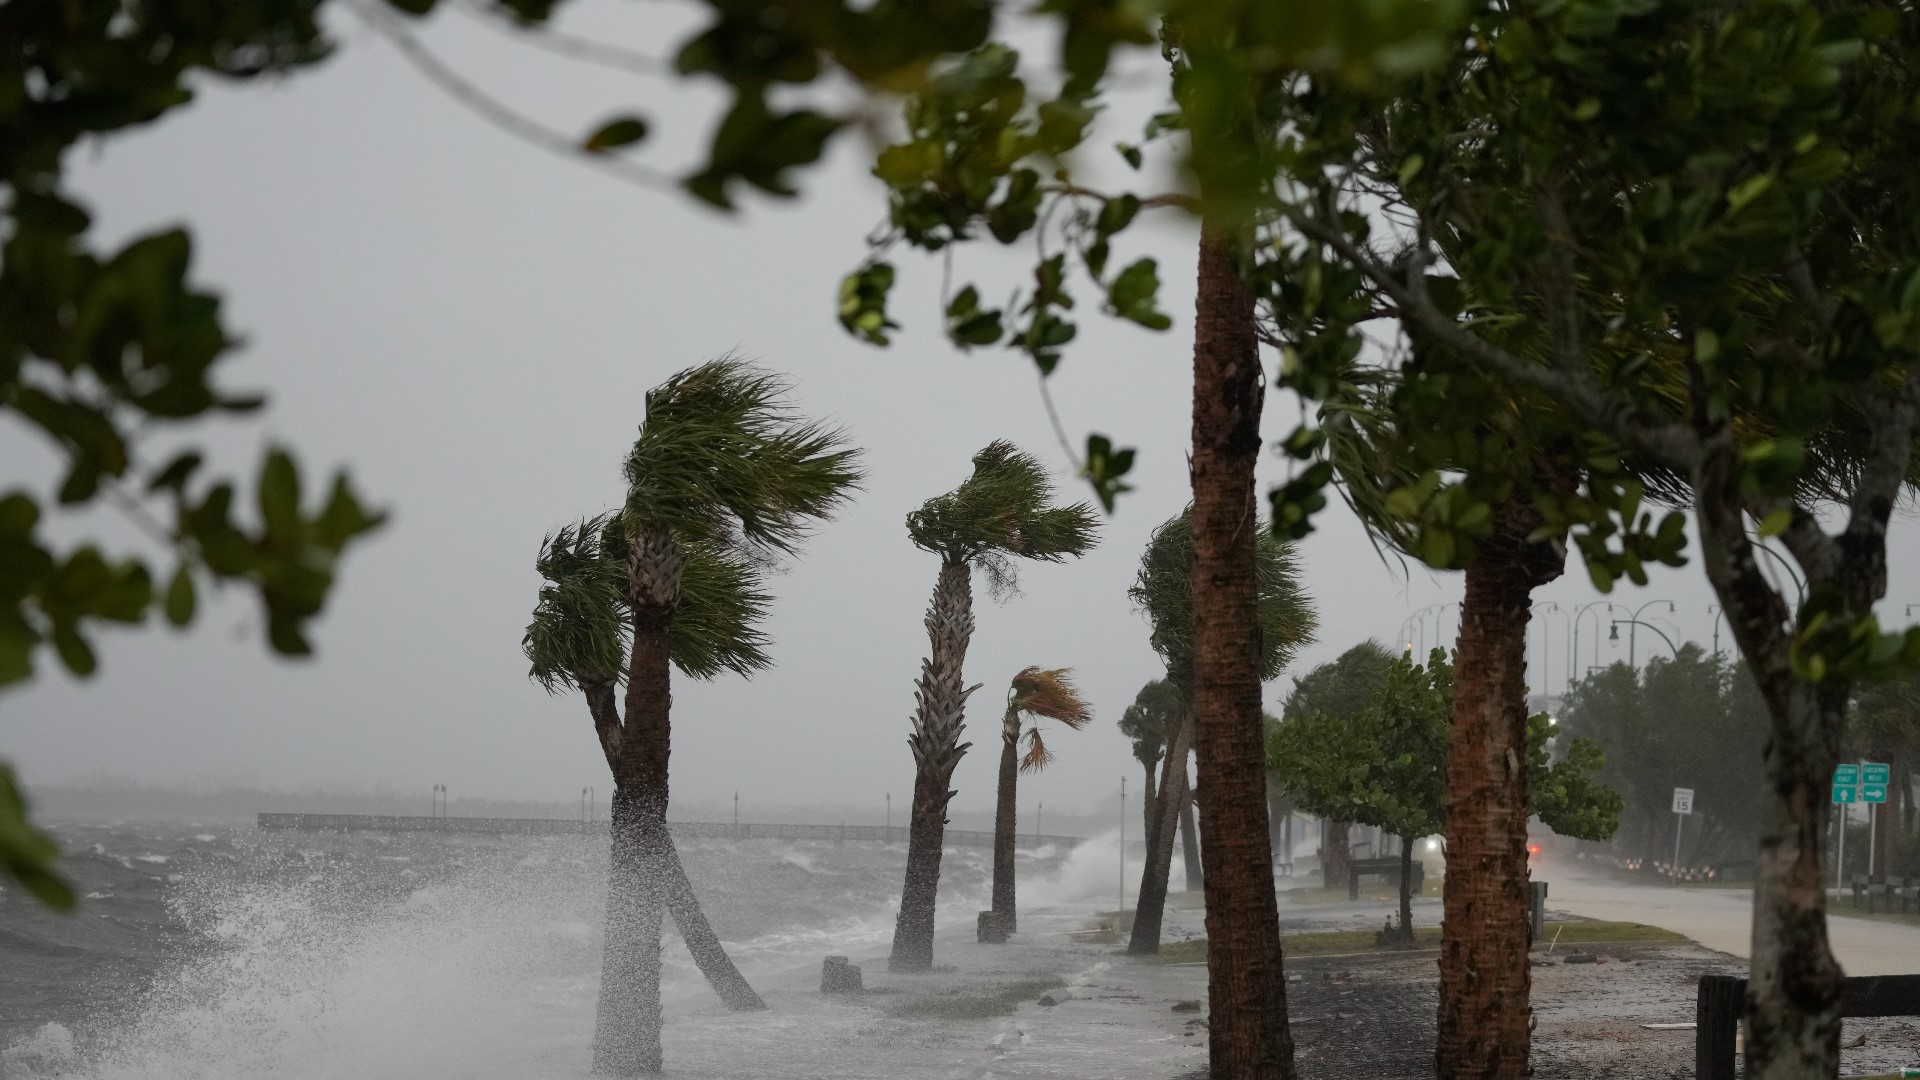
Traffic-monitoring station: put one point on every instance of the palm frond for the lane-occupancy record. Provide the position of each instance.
(724, 458)
(1149, 721)
(1163, 591)
(1037, 756)
(582, 626)
(1050, 693)
(717, 626)
(1004, 509)
(580, 629)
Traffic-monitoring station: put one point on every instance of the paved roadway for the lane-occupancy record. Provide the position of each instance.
(1722, 919)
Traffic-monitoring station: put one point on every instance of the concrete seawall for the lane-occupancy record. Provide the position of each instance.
(896, 834)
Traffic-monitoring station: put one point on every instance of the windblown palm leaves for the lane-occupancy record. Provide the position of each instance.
(1045, 693)
(723, 457)
(1003, 511)
(582, 625)
(1163, 592)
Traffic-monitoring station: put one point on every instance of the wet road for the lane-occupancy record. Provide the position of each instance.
(1722, 919)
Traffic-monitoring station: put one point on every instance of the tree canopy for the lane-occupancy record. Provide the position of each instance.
(1386, 764)
(1004, 510)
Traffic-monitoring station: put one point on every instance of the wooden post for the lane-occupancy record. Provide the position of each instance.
(1721, 1004)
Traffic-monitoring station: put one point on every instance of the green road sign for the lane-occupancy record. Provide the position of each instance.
(1844, 793)
(1873, 793)
(1845, 776)
(1873, 772)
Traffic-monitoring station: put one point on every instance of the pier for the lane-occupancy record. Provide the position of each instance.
(682, 830)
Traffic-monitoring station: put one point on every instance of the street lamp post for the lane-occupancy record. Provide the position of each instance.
(1633, 624)
(1615, 636)
(1546, 644)
(1579, 613)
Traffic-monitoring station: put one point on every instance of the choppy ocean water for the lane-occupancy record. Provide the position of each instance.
(215, 952)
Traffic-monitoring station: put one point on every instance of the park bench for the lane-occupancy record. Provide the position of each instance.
(1722, 1002)
(1388, 868)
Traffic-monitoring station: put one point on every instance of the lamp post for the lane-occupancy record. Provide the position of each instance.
(1419, 621)
(1546, 644)
(1580, 613)
(1439, 616)
(1632, 623)
(1799, 585)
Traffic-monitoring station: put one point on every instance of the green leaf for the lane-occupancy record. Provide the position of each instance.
(180, 598)
(1133, 293)
(74, 651)
(1776, 521)
(280, 493)
(1105, 469)
(1746, 191)
(616, 133)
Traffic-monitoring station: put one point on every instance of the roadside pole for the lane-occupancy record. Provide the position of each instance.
(1846, 791)
(1682, 806)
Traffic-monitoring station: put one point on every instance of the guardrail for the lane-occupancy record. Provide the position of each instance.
(1722, 1003)
(895, 834)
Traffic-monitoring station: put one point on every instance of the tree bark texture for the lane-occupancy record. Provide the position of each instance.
(682, 902)
(1006, 820)
(1794, 982)
(1190, 842)
(1336, 853)
(1149, 910)
(711, 956)
(1149, 806)
(939, 715)
(1248, 1034)
(1484, 975)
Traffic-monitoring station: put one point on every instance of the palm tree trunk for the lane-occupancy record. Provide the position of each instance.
(626, 1036)
(1336, 853)
(711, 956)
(1248, 1034)
(1484, 975)
(682, 901)
(936, 745)
(626, 1026)
(1149, 805)
(1149, 910)
(1190, 840)
(1004, 820)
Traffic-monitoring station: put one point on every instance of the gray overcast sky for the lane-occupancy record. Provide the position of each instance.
(470, 325)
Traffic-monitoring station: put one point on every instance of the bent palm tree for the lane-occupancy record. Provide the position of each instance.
(724, 480)
(1002, 512)
(1163, 591)
(578, 641)
(1037, 693)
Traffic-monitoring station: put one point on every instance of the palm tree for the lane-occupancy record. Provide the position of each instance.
(1035, 694)
(1163, 591)
(1002, 512)
(1147, 722)
(724, 480)
(578, 641)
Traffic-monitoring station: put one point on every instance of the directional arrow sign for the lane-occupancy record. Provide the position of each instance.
(1874, 772)
(1872, 793)
(1844, 793)
(1845, 776)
